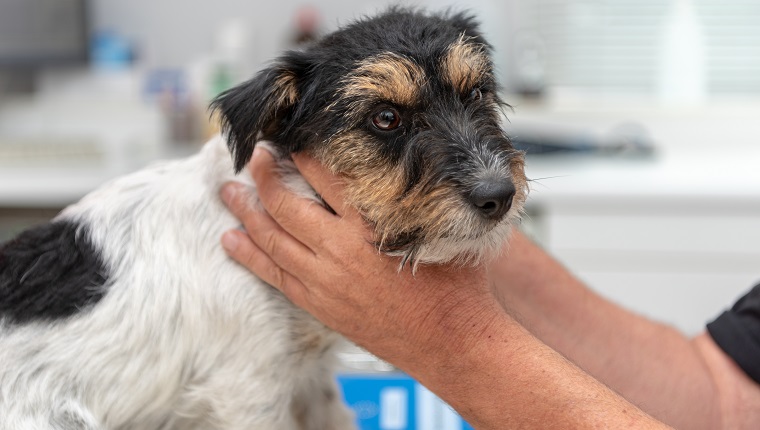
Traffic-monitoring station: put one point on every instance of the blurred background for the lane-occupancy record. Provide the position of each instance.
(639, 118)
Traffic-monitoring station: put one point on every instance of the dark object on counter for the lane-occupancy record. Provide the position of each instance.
(624, 140)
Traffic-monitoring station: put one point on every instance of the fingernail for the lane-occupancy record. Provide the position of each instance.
(230, 241)
(257, 151)
(228, 192)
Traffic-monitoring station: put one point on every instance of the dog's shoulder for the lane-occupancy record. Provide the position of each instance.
(49, 272)
(55, 270)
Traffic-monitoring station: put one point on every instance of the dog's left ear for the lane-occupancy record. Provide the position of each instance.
(257, 109)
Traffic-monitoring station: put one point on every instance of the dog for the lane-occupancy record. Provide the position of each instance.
(125, 313)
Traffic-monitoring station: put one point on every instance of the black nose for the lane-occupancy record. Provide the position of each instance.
(493, 198)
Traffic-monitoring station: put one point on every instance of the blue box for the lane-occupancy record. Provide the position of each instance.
(394, 401)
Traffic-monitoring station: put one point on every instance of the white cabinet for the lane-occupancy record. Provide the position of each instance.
(678, 268)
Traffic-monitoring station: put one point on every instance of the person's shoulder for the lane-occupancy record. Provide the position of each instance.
(749, 302)
(737, 332)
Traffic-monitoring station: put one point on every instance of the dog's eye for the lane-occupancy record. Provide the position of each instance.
(475, 94)
(387, 119)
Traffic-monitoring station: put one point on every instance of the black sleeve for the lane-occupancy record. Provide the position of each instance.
(737, 332)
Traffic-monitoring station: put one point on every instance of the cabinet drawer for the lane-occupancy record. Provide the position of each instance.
(711, 234)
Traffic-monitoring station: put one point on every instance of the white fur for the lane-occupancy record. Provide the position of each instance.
(184, 338)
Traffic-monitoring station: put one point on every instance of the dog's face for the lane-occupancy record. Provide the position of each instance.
(404, 107)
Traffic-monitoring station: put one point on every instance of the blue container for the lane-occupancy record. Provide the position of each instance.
(394, 401)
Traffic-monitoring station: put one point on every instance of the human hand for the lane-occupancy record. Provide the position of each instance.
(442, 325)
(326, 264)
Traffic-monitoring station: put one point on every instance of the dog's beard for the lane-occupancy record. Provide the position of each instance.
(468, 241)
(463, 246)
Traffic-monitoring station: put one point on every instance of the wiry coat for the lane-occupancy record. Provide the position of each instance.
(125, 313)
(183, 338)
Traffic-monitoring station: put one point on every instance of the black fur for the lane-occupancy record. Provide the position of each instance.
(251, 108)
(248, 112)
(444, 136)
(49, 272)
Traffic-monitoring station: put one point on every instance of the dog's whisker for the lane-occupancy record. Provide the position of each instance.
(538, 181)
(547, 177)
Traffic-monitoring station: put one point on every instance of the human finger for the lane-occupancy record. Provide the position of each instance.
(328, 186)
(300, 217)
(269, 236)
(242, 249)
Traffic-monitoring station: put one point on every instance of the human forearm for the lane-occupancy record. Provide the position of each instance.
(648, 363)
(503, 377)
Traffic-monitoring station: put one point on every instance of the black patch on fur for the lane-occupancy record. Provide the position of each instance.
(50, 272)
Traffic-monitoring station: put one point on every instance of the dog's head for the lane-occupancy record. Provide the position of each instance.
(404, 107)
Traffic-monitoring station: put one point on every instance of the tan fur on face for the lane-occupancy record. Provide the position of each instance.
(371, 183)
(440, 221)
(520, 181)
(389, 77)
(376, 189)
(465, 64)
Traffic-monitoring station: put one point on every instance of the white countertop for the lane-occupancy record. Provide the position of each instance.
(697, 180)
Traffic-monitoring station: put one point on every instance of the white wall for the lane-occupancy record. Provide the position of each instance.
(173, 33)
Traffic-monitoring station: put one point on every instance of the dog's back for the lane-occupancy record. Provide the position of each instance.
(167, 332)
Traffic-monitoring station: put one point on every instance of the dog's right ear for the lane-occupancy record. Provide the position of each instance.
(258, 108)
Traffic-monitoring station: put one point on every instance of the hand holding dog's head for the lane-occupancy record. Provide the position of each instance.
(404, 106)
